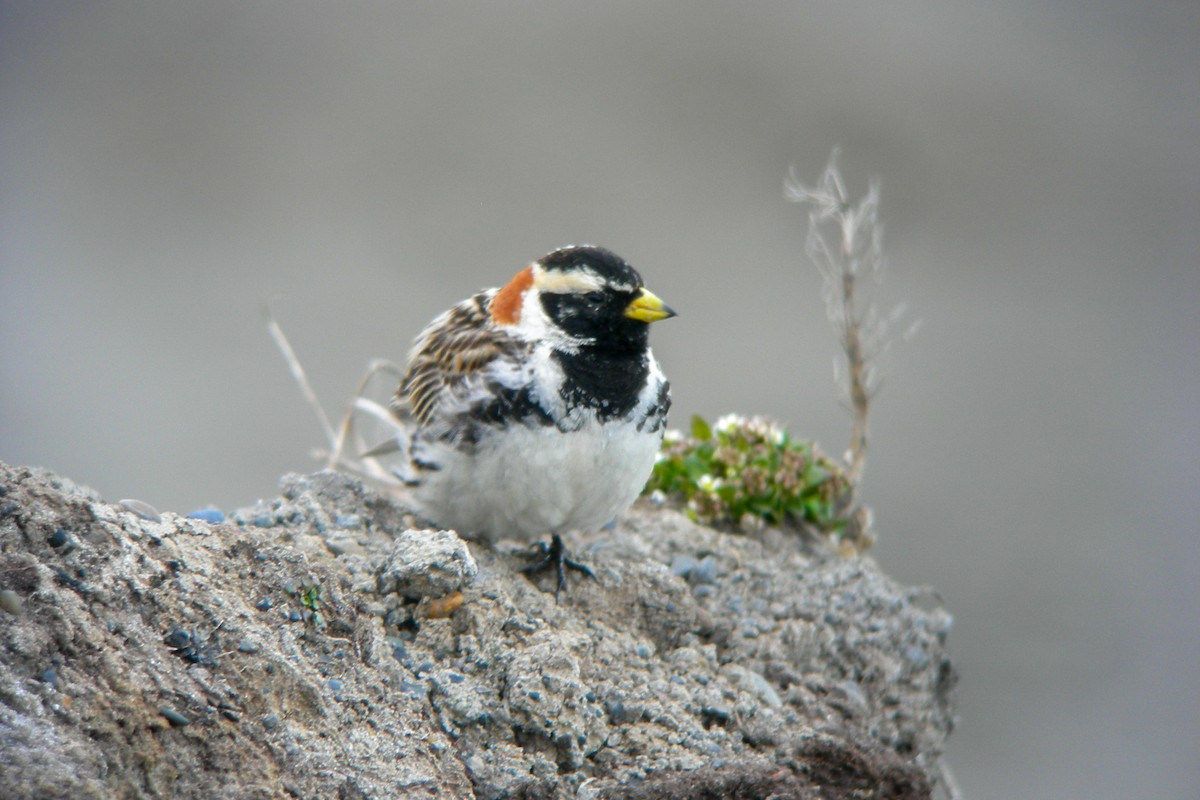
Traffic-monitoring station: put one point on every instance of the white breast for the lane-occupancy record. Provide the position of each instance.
(527, 482)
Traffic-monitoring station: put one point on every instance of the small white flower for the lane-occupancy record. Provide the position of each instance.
(763, 428)
(707, 483)
(728, 422)
(672, 436)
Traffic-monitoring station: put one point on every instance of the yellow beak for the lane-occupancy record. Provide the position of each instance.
(646, 307)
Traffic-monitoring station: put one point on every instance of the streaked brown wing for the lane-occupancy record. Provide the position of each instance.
(448, 355)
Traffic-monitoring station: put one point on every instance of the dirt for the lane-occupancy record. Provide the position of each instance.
(326, 643)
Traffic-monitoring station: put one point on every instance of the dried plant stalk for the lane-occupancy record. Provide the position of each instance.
(347, 438)
(845, 242)
(293, 363)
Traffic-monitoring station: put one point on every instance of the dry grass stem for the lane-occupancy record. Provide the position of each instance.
(845, 242)
(293, 362)
(348, 436)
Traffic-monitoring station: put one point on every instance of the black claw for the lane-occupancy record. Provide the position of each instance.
(555, 555)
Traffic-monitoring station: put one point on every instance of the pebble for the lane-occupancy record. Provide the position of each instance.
(427, 563)
(853, 695)
(141, 509)
(190, 648)
(176, 719)
(74, 583)
(341, 545)
(445, 606)
(58, 538)
(721, 714)
(765, 690)
(620, 714)
(11, 602)
(414, 689)
(212, 516)
(705, 571)
(916, 656)
(270, 721)
(682, 566)
(750, 681)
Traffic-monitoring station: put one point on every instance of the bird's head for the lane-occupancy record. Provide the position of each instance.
(580, 296)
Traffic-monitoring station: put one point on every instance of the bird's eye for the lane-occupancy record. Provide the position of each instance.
(595, 298)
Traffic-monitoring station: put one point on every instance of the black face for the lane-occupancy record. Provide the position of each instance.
(597, 315)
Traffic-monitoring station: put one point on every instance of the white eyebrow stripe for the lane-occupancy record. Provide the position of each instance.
(573, 282)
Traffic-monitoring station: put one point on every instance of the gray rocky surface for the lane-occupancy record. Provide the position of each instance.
(304, 648)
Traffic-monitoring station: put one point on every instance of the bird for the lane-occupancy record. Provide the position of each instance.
(536, 408)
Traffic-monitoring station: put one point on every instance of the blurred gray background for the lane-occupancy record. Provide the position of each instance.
(165, 167)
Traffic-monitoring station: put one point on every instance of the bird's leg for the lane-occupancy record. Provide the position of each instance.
(555, 555)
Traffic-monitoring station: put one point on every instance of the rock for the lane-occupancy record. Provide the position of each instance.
(427, 563)
(209, 514)
(10, 601)
(254, 662)
(141, 508)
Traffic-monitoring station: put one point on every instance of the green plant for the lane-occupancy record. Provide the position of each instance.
(307, 592)
(747, 472)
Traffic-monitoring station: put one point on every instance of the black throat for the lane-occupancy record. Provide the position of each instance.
(603, 380)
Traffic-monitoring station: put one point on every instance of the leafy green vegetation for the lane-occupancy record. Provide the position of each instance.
(746, 472)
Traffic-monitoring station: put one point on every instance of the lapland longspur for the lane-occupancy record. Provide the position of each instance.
(536, 408)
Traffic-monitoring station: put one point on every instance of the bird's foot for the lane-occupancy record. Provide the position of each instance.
(555, 555)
